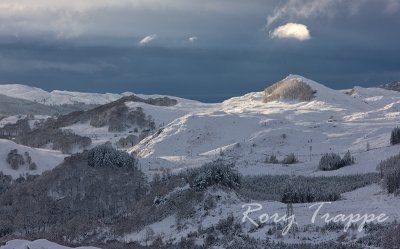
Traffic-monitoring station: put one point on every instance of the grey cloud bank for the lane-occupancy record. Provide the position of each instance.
(98, 45)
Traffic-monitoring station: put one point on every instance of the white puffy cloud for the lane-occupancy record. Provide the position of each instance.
(192, 39)
(148, 39)
(291, 30)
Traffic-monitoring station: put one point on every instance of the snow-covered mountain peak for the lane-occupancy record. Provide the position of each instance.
(295, 92)
(330, 96)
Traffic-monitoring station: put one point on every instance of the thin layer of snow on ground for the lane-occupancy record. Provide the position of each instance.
(38, 244)
(44, 159)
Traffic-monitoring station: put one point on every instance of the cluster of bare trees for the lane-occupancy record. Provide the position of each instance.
(119, 118)
(58, 139)
(20, 128)
(14, 159)
(289, 90)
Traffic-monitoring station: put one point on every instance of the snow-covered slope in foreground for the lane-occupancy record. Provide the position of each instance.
(246, 130)
(44, 159)
(37, 244)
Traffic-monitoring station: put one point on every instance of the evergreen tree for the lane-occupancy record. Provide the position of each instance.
(215, 173)
(330, 161)
(347, 159)
(106, 156)
(273, 159)
(395, 136)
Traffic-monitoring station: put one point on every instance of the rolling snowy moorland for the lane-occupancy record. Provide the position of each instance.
(139, 171)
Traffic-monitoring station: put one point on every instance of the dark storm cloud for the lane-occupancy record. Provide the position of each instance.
(94, 45)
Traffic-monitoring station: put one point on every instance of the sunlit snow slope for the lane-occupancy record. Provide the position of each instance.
(246, 130)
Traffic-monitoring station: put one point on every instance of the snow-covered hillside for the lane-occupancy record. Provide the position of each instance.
(37, 244)
(376, 97)
(161, 115)
(246, 130)
(44, 159)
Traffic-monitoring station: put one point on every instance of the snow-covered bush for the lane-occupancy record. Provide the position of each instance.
(106, 156)
(290, 159)
(289, 90)
(390, 173)
(330, 161)
(32, 166)
(333, 161)
(395, 136)
(215, 173)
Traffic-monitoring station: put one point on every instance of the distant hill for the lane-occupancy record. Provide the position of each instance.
(12, 106)
(395, 86)
(57, 97)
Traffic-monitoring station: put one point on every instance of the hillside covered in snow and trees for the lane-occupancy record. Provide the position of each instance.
(138, 171)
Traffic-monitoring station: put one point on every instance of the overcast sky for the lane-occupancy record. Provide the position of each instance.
(207, 50)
